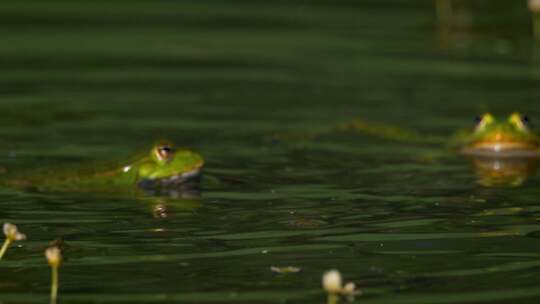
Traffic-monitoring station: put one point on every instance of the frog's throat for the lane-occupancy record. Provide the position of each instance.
(503, 149)
(172, 181)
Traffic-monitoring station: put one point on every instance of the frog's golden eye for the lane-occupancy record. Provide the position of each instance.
(519, 121)
(483, 121)
(164, 152)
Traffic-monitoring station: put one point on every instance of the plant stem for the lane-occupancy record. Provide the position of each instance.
(332, 298)
(7, 242)
(54, 284)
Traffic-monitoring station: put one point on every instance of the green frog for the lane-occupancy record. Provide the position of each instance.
(163, 166)
(163, 176)
(489, 137)
(503, 152)
(165, 169)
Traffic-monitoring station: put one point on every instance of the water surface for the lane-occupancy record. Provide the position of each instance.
(409, 223)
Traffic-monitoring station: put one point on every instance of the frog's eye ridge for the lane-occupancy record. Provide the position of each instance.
(483, 121)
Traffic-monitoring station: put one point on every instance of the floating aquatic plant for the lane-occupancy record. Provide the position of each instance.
(333, 285)
(286, 269)
(12, 234)
(54, 258)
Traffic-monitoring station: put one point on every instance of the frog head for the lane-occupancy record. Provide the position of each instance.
(167, 165)
(510, 137)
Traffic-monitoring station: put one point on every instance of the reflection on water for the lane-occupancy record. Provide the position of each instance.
(503, 171)
(167, 207)
(454, 19)
(174, 199)
(534, 7)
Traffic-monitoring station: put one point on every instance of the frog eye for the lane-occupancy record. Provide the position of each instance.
(520, 121)
(483, 121)
(164, 152)
(525, 119)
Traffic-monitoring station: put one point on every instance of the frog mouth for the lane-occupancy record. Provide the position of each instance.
(502, 149)
(181, 178)
(172, 181)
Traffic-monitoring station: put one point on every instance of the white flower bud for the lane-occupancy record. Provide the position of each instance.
(12, 233)
(54, 256)
(349, 289)
(332, 281)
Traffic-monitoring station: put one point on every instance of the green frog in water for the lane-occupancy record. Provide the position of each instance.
(503, 152)
(489, 137)
(165, 169)
(163, 166)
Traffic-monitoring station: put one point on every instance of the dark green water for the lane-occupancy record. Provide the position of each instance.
(408, 223)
